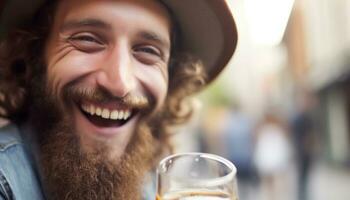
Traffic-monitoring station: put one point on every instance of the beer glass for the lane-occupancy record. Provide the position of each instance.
(196, 176)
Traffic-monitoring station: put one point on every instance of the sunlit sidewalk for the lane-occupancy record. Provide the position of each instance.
(329, 183)
(326, 183)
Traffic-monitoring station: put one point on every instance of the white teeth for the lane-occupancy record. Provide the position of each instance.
(121, 115)
(85, 108)
(92, 109)
(105, 114)
(126, 115)
(98, 111)
(114, 114)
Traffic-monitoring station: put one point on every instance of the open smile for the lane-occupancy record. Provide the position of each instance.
(106, 115)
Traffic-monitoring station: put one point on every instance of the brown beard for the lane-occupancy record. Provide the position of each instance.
(69, 173)
(72, 174)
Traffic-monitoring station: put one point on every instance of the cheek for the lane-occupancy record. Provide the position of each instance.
(63, 70)
(155, 83)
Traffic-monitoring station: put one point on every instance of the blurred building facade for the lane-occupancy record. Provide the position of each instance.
(313, 56)
(305, 65)
(318, 43)
(291, 55)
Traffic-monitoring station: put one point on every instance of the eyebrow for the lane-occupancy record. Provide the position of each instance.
(89, 22)
(154, 37)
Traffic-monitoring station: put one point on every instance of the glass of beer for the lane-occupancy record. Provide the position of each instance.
(196, 176)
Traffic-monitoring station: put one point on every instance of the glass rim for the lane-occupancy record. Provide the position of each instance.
(211, 182)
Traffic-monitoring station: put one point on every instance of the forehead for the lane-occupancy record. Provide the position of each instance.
(151, 11)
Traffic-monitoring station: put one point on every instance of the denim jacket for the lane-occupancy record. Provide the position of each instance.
(18, 177)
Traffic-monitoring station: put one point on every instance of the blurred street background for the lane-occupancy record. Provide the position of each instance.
(281, 111)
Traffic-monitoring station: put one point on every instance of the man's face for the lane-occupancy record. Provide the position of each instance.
(112, 58)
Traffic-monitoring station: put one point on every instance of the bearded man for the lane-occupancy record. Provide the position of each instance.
(92, 88)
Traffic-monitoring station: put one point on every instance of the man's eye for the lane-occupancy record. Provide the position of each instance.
(86, 38)
(148, 50)
(148, 54)
(86, 42)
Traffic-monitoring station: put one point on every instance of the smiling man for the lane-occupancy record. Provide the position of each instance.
(92, 88)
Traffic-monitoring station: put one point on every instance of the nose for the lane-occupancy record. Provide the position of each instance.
(117, 73)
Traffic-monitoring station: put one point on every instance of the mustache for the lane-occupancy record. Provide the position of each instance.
(101, 95)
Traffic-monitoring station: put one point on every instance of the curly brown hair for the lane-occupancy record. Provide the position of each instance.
(22, 49)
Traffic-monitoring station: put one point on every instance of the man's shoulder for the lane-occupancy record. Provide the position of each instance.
(16, 166)
(9, 137)
(12, 151)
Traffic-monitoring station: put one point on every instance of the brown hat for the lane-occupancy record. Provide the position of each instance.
(207, 27)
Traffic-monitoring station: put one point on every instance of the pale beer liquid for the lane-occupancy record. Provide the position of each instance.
(197, 195)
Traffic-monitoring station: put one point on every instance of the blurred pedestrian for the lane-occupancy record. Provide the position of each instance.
(272, 155)
(237, 140)
(303, 135)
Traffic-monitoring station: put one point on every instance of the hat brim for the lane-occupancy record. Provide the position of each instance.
(207, 28)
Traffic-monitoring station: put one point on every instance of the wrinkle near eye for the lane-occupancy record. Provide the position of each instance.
(164, 71)
(163, 68)
(62, 50)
